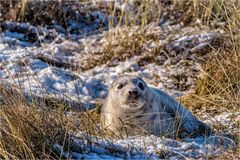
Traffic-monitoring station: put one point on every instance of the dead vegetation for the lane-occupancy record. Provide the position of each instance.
(38, 12)
(28, 132)
(217, 90)
(220, 81)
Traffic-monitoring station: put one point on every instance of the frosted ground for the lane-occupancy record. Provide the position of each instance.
(70, 65)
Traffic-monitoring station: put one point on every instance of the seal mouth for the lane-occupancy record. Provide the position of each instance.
(134, 105)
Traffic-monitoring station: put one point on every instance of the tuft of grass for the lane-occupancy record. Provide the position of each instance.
(28, 131)
(33, 130)
(219, 85)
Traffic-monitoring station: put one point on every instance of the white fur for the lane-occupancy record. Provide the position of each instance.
(160, 115)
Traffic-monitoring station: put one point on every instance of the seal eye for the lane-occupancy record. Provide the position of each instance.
(120, 86)
(141, 86)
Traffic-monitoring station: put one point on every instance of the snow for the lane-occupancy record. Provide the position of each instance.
(151, 147)
(54, 67)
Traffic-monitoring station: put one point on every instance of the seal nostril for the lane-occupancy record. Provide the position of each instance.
(135, 93)
(130, 93)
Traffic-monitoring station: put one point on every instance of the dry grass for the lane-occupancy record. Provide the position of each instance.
(30, 130)
(218, 92)
(142, 13)
(133, 36)
(218, 88)
(38, 12)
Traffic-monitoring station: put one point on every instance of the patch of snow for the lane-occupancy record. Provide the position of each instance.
(53, 68)
(152, 147)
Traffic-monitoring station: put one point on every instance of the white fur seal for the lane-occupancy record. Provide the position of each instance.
(132, 107)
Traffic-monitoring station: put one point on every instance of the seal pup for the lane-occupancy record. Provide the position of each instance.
(132, 107)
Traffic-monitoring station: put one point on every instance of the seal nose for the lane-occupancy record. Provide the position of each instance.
(134, 93)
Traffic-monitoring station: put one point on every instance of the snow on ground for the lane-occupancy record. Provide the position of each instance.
(148, 147)
(64, 69)
(45, 61)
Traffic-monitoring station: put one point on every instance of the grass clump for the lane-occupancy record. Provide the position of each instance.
(28, 131)
(37, 12)
(43, 130)
(219, 84)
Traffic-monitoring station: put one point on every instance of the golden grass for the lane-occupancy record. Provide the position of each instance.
(218, 91)
(219, 84)
(29, 131)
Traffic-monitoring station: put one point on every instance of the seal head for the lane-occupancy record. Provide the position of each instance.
(129, 91)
